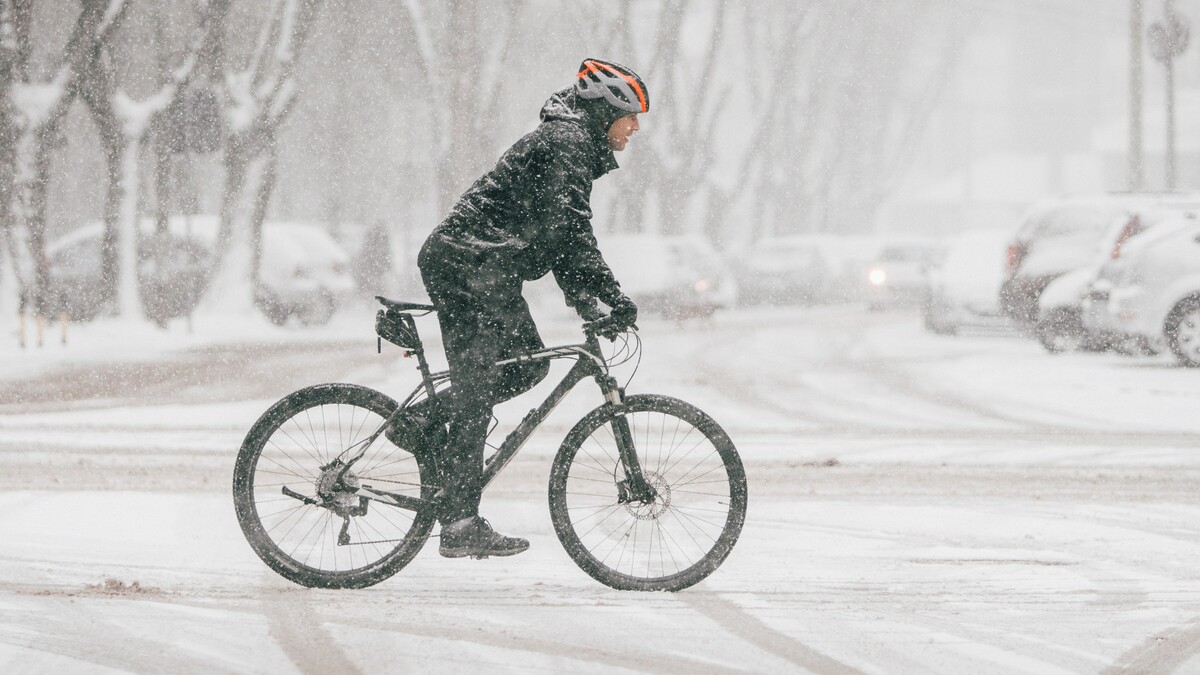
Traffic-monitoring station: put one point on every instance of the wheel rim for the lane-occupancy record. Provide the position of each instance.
(680, 528)
(302, 456)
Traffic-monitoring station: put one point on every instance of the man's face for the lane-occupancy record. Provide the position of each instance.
(621, 130)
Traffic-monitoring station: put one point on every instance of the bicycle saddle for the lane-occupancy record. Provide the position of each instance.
(402, 306)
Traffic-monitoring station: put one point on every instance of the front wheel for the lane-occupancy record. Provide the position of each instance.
(671, 541)
(296, 498)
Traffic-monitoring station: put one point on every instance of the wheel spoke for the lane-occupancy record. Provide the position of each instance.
(677, 538)
(296, 448)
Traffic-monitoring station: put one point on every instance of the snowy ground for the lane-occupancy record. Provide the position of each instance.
(918, 504)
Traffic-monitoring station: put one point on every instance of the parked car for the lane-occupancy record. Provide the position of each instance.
(1097, 328)
(898, 276)
(1067, 317)
(171, 273)
(1156, 294)
(782, 271)
(304, 274)
(303, 271)
(964, 285)
(675, 276)
(1062, 235)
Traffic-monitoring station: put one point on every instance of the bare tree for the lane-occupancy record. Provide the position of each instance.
(830, 98)
(123, 126)
(259, 95)
(30, 114)
(460, 82)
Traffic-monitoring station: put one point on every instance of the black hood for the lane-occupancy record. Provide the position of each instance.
(595, 114)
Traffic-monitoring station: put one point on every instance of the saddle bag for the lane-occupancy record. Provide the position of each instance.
(398, 328)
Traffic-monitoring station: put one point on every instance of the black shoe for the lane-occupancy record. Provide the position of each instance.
(475, 537)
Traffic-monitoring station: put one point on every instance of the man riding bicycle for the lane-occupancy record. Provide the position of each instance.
(527, 217)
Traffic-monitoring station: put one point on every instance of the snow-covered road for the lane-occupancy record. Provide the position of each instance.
(918, 504)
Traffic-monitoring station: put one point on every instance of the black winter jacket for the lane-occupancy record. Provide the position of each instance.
(533, 211)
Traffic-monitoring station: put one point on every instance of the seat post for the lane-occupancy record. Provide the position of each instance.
(423, 367)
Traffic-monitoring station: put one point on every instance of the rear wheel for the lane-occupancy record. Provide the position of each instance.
(1183, 332)
(665, 544)
(296, 501)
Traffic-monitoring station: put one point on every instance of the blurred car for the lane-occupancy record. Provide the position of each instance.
(171, 273)
(1067, 308)
(964, 285)
(1062, 235)
(675, 276)
(898, 276)
(304, 274)
(1059, 327)
(782, 271)
(1156, 295)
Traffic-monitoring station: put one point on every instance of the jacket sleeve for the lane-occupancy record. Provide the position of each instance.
(578, 266)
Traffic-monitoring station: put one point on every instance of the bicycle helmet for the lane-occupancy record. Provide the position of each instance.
(616, 84)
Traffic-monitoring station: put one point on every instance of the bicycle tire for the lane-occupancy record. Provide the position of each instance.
(687, 458)
(287, 448)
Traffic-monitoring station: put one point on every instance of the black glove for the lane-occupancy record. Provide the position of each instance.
(621, 319)
(624, 312)
(589, 311)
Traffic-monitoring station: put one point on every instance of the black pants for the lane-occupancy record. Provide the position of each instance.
(484, 319)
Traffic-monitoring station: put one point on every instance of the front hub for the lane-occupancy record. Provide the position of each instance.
(648, 506)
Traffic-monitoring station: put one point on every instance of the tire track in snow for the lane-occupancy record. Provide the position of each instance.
(1162, 653)
(737, 622)
(848, 331)
(85, 633)
(295, 626)
(625, 655)
(211, 374)
(903, 382)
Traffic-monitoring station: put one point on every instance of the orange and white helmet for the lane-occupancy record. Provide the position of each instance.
(616, 84)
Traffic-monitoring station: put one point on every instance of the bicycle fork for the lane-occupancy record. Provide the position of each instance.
(635, 487)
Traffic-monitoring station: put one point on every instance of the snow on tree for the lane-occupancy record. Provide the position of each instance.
(258, 97)
(30, 114)
(124, 125)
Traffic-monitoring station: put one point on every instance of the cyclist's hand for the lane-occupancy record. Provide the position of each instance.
(624, 312)
(622, 318)
(606, 327)
(590, 312)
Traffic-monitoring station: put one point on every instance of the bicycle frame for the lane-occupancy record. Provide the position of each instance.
(590, 363)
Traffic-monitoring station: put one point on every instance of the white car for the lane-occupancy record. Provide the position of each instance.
(783, 271)
(1072, 311)
(304, 274)
(1156, 296)
(676, 276)
(1062, 235)
(898, 276)
(964, 287)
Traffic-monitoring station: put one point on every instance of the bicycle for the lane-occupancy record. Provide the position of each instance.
(646, 492)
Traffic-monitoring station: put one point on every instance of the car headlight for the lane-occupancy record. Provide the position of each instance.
(877, 277)
(702, 285)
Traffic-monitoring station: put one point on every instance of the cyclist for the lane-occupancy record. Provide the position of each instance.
(527, 217)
